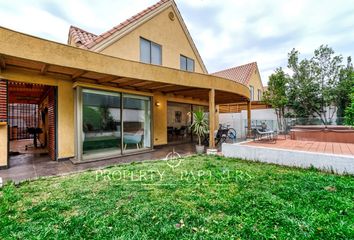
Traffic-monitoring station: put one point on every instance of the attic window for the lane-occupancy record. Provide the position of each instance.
(186, 63)
(150, 52)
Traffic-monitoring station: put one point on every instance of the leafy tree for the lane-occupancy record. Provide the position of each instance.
(303, 98)
(312, 89)
(276, 95)
(92, 119)
(344, 88)
(349, 111)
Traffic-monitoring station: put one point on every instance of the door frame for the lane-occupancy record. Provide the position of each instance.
(55, 89)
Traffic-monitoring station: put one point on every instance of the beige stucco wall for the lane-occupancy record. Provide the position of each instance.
(160, 29)
(3, 145)
(66, 132)
(256, 82)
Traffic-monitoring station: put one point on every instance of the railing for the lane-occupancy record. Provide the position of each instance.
(289, 123)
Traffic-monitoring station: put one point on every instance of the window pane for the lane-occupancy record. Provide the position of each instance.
(136, 122)
(190, 65)
(156, 54)
(183, 63)
(259, 95)
(251, 93)
(101, 122)
(144, 51)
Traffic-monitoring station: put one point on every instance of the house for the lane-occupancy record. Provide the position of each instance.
(247, 74)
(124, 91)
(235, 114)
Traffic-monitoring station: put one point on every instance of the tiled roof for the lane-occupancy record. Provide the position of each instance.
(241, 74)
(88, 40)
(81, 36)
(122, 25)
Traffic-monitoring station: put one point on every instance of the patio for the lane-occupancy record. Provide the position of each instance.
(31, 166)
(308, 146)
(325, 156)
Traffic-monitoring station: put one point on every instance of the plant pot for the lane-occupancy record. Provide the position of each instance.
(199, 149)
(212, 151)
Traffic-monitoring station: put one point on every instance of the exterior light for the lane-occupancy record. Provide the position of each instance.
(157, 104)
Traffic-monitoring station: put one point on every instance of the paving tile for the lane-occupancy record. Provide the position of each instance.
(30, 166)
(311, 146)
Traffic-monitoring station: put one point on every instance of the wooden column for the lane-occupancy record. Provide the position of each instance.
(248, 118)
(211, 118)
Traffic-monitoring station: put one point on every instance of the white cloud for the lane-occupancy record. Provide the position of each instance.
(227, 33)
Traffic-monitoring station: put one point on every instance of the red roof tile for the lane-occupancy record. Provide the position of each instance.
(241, 74)
(81, 36)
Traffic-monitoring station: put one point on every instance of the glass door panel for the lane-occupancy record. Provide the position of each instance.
(179, 119)
(101, 122)
(136, 123)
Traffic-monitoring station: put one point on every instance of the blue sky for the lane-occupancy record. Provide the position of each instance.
(227, 33)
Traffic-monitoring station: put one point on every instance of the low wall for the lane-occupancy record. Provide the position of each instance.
(327, 162)
(323, 134)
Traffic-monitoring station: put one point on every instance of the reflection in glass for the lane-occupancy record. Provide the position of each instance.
(101, 121)
(136, 118)
(179, 120)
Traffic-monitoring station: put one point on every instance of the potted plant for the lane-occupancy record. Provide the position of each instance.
(199, 128)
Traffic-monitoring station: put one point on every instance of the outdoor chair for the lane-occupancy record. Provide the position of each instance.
(267, 136)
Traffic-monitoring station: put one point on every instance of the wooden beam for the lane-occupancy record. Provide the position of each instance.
(152, 85)
(128, 83)
(182, 89)
(78, 74)
(249, 118)
(211, 118)
(161, 86)
(121, 80)
(44, 68)
(141, 84)
(2, 63)
(108, 79)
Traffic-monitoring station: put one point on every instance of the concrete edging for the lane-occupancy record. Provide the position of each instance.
(340, 164)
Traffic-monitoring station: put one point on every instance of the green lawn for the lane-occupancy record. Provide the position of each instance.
(202, 198)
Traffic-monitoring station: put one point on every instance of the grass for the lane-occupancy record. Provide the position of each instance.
(202, 198)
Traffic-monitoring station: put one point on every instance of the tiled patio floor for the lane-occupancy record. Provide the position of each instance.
(309, 146)
(32, 166)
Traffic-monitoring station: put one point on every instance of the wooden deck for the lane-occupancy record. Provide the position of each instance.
(309, 146)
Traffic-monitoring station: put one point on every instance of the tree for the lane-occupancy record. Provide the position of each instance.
(276, 95)
(349, 111)
(303, 98)
(344, 88)
(313, 83)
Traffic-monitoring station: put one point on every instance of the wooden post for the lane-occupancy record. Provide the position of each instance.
(248, 118)
(217, 111)
(211, 118)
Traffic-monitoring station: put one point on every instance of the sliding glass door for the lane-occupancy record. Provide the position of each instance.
(136, 122)
(111, 123)
(101, 122)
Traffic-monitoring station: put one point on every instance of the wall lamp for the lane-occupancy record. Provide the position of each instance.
(157, 104)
